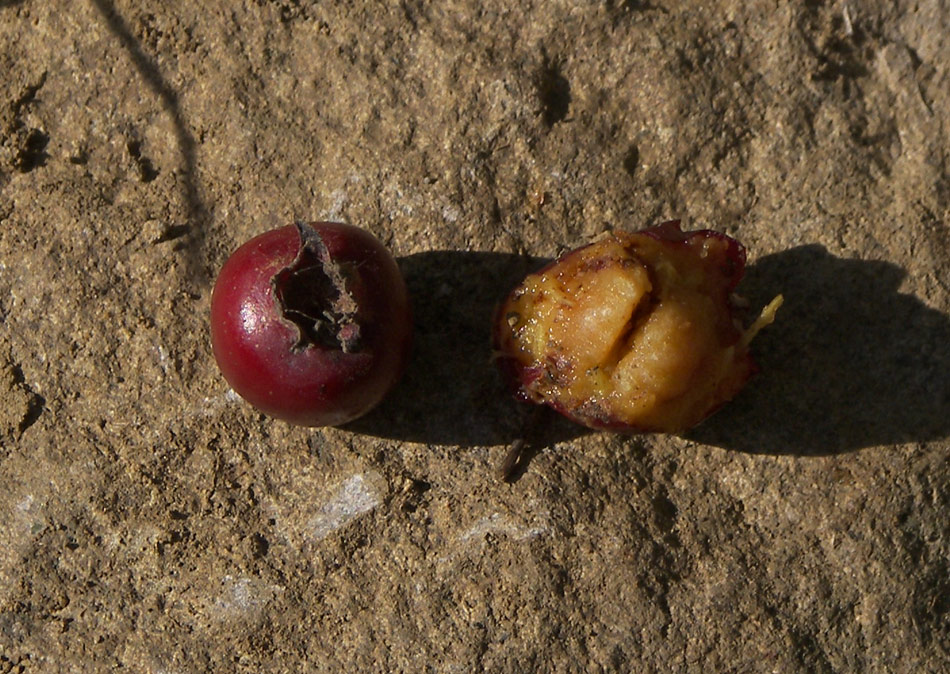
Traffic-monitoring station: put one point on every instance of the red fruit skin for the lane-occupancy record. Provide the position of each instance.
(254, 345)
(732, 270)
(722, 278)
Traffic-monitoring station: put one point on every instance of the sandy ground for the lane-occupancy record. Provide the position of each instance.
(152, 520)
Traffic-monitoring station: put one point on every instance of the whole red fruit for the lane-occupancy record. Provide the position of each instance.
(310, 323)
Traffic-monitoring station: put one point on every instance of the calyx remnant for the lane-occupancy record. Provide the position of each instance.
(312, 294)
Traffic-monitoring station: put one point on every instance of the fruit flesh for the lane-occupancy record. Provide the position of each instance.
(633, 332)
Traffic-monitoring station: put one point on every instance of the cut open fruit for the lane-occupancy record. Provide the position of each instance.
(634, 332)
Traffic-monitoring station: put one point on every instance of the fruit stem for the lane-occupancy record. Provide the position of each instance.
(520, 451)
(766, 317)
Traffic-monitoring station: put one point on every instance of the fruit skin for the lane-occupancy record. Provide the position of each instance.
(635, 332)
(264, 317)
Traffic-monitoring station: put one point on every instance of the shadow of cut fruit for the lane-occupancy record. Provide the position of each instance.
(849, 363)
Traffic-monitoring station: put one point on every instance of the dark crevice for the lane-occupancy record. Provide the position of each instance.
(831, 69)
(33, 153)
(147, 171)
(171, 233)
(415, 494)
(260, 546)
(34, 408)
(420, 486)
(631, 160)
(665, 512)
(554, 92)
(639, 6)
(35, 404)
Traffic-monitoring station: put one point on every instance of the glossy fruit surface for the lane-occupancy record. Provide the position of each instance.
(634, 332)
(310, 323)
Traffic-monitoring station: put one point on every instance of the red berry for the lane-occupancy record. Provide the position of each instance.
(311, 323)
(634, 332)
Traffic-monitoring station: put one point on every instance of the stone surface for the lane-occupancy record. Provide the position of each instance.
(150, 519)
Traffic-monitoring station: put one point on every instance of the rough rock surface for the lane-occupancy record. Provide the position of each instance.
(152, 520)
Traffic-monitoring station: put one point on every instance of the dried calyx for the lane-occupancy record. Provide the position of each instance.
(312, 294)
